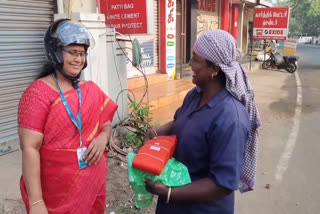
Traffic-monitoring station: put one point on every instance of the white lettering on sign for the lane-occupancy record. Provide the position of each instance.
(269, 14)
(131, 25)
(115, 16)
(280, 15)
(130, 16)
(276, 32)
(146, 60)
(270, 22)
(124, 16)
(129, 6)
(116, 7)
(264, 14)
(122, 6)
(115, 25)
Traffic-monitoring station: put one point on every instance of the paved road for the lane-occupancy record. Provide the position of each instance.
(289, 156)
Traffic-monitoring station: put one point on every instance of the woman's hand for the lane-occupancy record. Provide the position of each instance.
(96, 149)
(151, 133)
(39, 208)
(164, 130)
(156, 188)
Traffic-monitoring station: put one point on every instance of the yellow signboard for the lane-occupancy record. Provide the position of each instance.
(290, 47)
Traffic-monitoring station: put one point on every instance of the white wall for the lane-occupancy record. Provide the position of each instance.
(83, 6)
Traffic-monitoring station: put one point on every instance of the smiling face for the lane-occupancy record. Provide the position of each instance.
(74, 57)
(201, 72)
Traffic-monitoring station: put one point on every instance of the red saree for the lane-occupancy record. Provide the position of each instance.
(66, 188)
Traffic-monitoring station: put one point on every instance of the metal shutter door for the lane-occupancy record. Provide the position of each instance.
(22, 26)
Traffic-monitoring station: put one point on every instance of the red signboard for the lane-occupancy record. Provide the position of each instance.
(207, 5)
(271, 23)
(126, 16)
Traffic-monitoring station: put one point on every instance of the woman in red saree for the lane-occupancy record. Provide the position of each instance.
(52, 181)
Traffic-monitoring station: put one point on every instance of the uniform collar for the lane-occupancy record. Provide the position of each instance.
(216, 98)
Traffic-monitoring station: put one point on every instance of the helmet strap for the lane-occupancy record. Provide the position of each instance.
(74, 80)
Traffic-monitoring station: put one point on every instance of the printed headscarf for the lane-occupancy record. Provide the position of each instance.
(219, 47)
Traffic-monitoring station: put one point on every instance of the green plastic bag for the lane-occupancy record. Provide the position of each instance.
(174, 174)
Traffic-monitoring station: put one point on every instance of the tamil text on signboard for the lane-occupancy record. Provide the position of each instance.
(271, 23)
(126, 16)
(171, 38)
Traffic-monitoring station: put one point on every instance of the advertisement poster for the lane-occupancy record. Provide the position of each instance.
(290, 47)
(171, 38)
(126, 16)
(147, 52)
(271, 23)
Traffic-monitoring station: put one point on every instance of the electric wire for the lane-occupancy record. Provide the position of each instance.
(114, 148)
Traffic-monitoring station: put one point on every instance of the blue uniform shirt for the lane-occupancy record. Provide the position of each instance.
(211, 142)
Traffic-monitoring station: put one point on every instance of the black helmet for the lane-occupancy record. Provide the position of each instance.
(61, 33)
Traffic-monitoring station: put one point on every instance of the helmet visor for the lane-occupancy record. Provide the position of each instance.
(73, 33)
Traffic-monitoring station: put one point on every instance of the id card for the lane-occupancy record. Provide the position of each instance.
(80, 154)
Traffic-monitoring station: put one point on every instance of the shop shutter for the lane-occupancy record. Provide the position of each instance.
(22, 27)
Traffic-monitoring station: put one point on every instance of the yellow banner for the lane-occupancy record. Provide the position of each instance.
(290, 47)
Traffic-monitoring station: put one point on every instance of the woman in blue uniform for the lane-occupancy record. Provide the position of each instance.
(216, 128)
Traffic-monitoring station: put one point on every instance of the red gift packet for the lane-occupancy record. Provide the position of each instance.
(154, 155)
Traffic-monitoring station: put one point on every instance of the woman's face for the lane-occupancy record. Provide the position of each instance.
(201, 72)
(74, 57)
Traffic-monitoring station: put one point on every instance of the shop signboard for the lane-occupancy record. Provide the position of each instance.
(147, 53)
(290, 47)
(207, 5)
(126, 16)
(271, 23)
(171, 38)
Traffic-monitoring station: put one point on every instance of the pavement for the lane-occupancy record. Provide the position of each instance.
(10, 198)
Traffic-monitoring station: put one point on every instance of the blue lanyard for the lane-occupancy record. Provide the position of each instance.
(66, 105)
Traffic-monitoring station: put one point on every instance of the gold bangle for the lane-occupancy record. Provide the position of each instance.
(36, 202)
(168, 196)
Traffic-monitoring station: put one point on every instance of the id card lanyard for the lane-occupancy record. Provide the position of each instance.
(66, 105)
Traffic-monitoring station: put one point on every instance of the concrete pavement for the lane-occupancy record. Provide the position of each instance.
(10, 172)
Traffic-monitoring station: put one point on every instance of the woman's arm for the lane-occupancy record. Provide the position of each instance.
(98, 144)
(203, 190)
(30, 143)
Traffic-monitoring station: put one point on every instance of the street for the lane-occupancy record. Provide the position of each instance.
(288, 171)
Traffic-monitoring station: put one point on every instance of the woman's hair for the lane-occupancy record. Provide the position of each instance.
(221, 77)
(46, 70)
